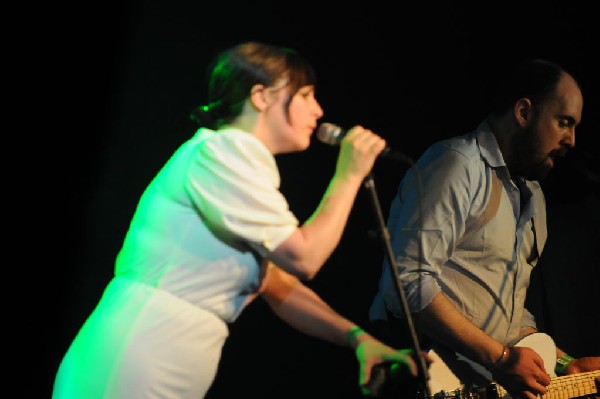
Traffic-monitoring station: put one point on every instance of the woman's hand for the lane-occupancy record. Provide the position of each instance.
(371, 352)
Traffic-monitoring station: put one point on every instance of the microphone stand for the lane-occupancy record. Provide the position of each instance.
(369, 184)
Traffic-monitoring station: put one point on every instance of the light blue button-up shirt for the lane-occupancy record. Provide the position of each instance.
(480, 235)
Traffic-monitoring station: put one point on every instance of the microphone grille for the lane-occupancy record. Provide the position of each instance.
(329, 133)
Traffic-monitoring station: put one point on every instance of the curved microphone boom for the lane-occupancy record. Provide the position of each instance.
(332, 134)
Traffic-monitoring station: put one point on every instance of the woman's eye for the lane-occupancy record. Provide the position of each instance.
(307, 91)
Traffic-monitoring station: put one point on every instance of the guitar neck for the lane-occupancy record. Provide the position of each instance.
(443, 379)
(567, 386)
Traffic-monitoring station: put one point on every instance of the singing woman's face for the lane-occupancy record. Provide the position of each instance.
(304, 111)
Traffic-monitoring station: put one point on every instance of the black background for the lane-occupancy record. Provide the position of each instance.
(107, 94)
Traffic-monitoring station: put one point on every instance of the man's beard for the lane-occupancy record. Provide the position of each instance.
(541, 169)
(528, 163)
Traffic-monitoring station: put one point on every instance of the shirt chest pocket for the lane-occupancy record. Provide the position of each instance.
(490, 239)
(496, 239)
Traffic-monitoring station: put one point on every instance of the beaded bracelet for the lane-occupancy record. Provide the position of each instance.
(562, 363)
(497, 362)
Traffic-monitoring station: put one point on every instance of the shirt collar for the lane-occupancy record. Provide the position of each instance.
(488, 146)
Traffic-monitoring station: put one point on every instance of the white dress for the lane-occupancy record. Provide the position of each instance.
(190, 263)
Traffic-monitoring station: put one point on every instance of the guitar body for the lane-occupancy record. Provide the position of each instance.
(452, 375)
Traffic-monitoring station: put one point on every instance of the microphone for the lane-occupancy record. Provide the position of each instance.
(332, 134)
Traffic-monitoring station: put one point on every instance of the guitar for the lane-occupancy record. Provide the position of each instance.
(476, 381)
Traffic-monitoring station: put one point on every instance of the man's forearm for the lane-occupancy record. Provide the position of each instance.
(444, 323)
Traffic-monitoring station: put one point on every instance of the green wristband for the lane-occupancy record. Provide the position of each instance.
(561, 364)
(352, 333)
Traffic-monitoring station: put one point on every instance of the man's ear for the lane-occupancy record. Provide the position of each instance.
(257, 97)
(522, 111)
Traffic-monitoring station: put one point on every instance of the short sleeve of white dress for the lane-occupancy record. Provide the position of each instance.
(234, 181)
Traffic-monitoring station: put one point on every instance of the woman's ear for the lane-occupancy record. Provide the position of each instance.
(257, 97)
(522, 111)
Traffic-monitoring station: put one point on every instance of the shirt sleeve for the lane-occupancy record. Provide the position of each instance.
(528, 320)
(427, 217)
(234, 182)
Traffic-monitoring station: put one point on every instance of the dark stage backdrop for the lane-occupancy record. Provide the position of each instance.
(128, 74)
